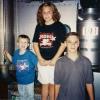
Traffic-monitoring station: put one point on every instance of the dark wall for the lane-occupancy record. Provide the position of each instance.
(90, 3)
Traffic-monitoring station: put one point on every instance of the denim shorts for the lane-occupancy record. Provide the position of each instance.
(26, 92)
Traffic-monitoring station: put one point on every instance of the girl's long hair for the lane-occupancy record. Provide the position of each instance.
(56, 15)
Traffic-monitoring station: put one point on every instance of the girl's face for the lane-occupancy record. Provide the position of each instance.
(72, 44)
(23, 44)
(47, 14)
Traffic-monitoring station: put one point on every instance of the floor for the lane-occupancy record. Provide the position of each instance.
(8, 87)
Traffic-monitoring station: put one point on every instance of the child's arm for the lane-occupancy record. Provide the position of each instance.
(59, 52)
(7, 55)
(37, 51)
(57, 87)
(89, 88)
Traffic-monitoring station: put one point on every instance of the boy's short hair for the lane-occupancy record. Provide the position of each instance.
(23, 36)
(72, 34)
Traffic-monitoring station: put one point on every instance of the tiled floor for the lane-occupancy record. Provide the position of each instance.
(36, 97)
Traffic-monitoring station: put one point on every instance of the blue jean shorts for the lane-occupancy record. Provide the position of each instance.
(26, 92)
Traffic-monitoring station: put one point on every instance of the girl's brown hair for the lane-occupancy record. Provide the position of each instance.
(56, 14)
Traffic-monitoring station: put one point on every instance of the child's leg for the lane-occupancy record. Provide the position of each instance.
(30, 91)
(26, 92)
(21, 90)
(51, 92)
(45, 88)
(51, 83)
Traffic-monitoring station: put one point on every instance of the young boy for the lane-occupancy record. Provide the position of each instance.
(25, 62)
(73, 73)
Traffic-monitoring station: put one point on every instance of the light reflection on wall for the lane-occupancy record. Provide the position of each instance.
(89, 30)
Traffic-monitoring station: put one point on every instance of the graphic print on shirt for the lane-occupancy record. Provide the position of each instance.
(22, 65)
(46, 40)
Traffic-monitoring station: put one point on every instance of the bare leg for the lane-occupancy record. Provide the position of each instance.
(51, 91)
(45, 88)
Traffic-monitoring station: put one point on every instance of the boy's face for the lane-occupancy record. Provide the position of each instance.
(23, 44)
(72, 44)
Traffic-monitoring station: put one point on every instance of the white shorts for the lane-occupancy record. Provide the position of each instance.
(46, 74)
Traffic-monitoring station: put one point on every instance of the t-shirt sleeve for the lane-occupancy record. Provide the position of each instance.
(36, 34)
(89, 73)
(33, 58)
(57, 73)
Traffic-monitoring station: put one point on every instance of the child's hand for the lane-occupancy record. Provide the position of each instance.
(5, 52)
(7, 55)
(42, 62)
(52, 62)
